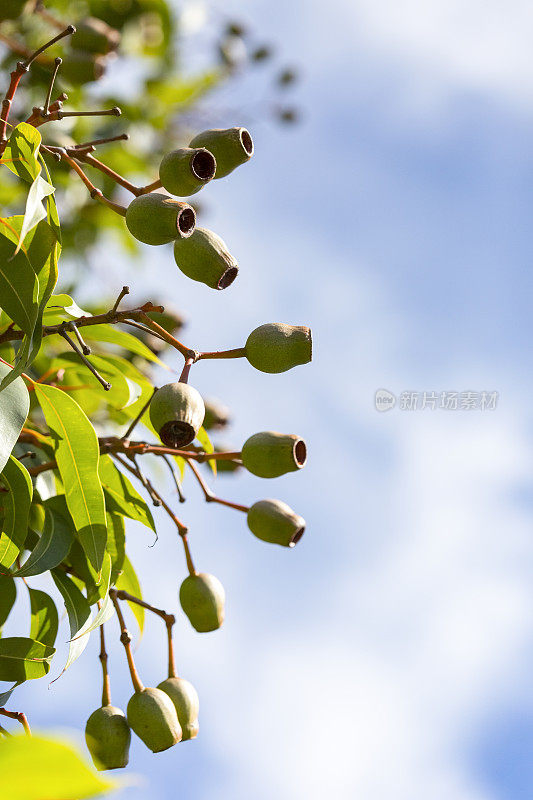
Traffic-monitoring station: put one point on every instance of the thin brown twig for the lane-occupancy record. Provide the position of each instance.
(125, 638)
(19, 716)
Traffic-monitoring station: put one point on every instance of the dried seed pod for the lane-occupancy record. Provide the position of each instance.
(177, 413)
(186, 702)
(204, 257)
(93, 35)
(202, 598)
(187, 170)
(275, 522)
(269, 454)
(157, 219)
(108, 737)
(277, 347)
(79, 67)
(231, 147)
(152, 716)
(217, 415)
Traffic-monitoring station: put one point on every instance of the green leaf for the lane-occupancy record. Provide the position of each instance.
(44, 619)
(20, 155)
(77, 455)
(34, 211)
(121, 496)
(53, 545)
(35, 768)
(17, 502)
(79, 616)
(4, 696)
(130, 583)
(123, 393)
(61, 307)
(14, 407)
(205, 441)
(51, 207)
(116, 542)
(112, 335)
(8, 595)
(107, 609)
(23, 659)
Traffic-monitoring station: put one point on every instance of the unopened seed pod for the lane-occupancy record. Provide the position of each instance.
(275, 522)
(93, 35)
(202, 598)
(217, 415)
(108, 737)
(276, 347)
(177, 413)
(185, 171)
(157, 219)
(79, 67)
(231, 147)
(204, 257)
(186, 702)
(152, 716)
(269, 454)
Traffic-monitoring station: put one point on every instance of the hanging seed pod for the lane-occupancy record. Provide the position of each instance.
(275, 522)
(217, 415)
(186, 702)
(93, 35)
(177, 413)
(202, 598)
(108, 738)
(185, 171)
(231, 147)
(152, 716)
(79, 67)
(157, 219)
(204, 257)
(269, 454)
(276, 347)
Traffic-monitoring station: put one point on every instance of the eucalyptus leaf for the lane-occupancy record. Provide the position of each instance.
(79, 616)
(17, 502)
(14, 407)
(44, 617)
(23, 659)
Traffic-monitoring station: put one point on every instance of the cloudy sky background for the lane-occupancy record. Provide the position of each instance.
(389, 655)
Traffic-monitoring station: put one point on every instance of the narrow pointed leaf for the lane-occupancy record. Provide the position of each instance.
(107, 608)
(52, 547)
(130, 583)
(116, 542)
(121, 496)
(44, 618)
(14, 407)
(23, 659)
(79, 616)
(17, 502)
(8, 595)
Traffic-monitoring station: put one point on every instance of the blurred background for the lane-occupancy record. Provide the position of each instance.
(389, 655)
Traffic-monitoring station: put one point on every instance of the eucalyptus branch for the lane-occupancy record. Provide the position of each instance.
(95, 193)
(169, 620)
(125, 638)
(86, 350)
(138, 418)
(105, 384)
(19, 716)
(210, 497)
(106, 685)
(175, 478)
(57, 63)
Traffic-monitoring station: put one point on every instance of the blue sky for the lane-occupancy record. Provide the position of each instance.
(389, 655)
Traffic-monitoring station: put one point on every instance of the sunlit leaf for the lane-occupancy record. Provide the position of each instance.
(23, 659)
(53, 545)
(130, 583)
(44, 618)
(8, 595)
(17, 502)
(121, 496)
(14, 407)
(79, 616)
(20, 155)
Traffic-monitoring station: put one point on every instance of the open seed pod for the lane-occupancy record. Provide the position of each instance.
(204, 257)
(269, 454)
(275, 522)
(231, 147)
(202, 598)
(157, 219)
(187, 170)
(277, 347)
(108, 737)
(186, 702)
(152, 716)
(177, 413)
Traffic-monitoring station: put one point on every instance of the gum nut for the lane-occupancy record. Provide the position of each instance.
(231, 147)
(177, 413)
(186, 702)
(79, 67)
(269, 454)
(93, 35)
(275, 522)
(157, 219)
(217, 415)
(108, 737)
(152, 716)
(277, 347)
(185, 171)
(205, 257)
(202, 599)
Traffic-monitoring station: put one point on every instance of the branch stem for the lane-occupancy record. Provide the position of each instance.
(125, 638)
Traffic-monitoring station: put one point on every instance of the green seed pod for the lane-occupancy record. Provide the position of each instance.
(202, 598)
(204, 257)
(276, 347)
(177, 412)
(270, 454)
(186, 702)
(93, 35)
(185, 171)
(11, 9)
(217, 415)
(152, 716)
(78, 67)
(157, 219)
(230, 146)
(275, 522)
(108, 737)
